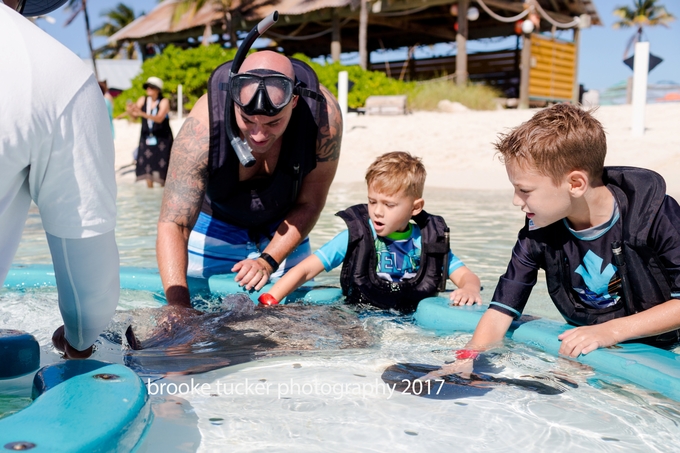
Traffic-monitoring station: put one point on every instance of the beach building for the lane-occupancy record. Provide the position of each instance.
(540, 66)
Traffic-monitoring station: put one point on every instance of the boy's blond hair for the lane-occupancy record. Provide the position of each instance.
(395, 172)
(555, 141)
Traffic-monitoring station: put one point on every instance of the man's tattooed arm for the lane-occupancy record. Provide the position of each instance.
(182, 199)
(330, 129)
(187, 175)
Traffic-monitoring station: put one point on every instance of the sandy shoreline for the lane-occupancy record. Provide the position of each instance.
(457, 148)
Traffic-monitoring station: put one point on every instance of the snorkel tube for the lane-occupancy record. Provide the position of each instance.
(241, 147)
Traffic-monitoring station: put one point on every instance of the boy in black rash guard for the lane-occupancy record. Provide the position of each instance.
(577, 213)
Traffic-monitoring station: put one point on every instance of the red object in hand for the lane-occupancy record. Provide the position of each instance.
(267, 299)
(464, 354)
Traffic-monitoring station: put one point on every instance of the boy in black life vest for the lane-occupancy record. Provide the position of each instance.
(608, 239)
(388, 261)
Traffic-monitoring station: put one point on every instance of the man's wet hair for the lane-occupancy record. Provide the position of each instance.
(555, 141)
(395, 172)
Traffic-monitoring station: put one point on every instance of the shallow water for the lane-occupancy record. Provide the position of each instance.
(336, 400)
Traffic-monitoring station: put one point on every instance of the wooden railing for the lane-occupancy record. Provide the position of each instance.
(499, 69)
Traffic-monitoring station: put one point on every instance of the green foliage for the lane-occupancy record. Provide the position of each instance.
(366, 83)
(644, 13)
(426, 95)
(116, 18)
(191, 68)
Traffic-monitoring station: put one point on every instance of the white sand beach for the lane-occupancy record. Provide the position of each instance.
(457, 148)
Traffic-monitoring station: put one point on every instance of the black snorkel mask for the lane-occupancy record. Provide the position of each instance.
(260, 101)
(261, 91)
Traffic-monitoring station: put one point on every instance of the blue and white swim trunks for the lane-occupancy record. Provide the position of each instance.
(215, 247)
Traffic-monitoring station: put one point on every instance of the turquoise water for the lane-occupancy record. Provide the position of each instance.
(334, 401)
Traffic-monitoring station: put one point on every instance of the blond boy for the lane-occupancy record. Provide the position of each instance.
(578, 214)
(388, 261)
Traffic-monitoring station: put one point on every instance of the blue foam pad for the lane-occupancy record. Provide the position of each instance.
(19, 353)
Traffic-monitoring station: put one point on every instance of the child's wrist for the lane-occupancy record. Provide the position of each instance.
(464, 354)
(267, 299)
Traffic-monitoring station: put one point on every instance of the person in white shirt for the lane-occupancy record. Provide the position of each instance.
(56, 149)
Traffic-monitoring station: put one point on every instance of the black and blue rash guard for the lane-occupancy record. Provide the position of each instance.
(582, 279)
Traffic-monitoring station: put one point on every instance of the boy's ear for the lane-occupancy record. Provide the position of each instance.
(578, 182)
(418, 205)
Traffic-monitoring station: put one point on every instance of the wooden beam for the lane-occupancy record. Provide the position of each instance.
(505, 5)
(402, 5)
(576, 89)
(407, 26)
(172, 37)
(336, 46)
(363, 32)
(461, 43)
(525, 68)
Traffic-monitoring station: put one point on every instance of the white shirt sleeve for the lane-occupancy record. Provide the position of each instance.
(73, 180)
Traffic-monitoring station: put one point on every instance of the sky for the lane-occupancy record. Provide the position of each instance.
(601, 50)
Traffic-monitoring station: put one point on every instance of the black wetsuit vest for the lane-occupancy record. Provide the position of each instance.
(360, 281)
(257, 203)
(639, 194)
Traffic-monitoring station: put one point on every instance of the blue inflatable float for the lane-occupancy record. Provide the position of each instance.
(649, 367)
(646, 366)
(19, 353)
(145, 279)
(81, 406)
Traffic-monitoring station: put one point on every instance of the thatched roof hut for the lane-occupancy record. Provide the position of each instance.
(323, 27)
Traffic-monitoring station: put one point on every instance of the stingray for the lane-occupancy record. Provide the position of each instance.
(172, 340)
(405, 378)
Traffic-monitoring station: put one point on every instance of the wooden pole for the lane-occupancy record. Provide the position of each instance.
(207, 34)
(577, 43)
(524, 72)
(336, 46)
(363, 29)
(89, 39)
(461, 43)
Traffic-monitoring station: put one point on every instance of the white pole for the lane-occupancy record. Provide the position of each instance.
(180, 103)
(343, 82)
(640, 70)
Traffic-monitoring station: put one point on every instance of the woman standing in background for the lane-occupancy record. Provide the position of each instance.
(156, 138)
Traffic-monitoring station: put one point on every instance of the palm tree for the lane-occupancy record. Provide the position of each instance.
(195, 5)
(76, 6)
(117, 18)
(644, 13)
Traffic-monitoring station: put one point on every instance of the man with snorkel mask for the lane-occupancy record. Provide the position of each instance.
(249, 174)
(56, 149)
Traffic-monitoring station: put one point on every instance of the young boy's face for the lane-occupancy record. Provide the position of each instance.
(537, 195)
(390, 213)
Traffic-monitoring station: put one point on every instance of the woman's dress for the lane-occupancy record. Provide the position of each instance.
(155, 142)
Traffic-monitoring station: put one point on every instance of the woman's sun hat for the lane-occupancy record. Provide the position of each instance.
(153, 82)
(40, 7)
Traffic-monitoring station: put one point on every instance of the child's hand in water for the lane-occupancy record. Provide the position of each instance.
(463, 296)
(461, 367)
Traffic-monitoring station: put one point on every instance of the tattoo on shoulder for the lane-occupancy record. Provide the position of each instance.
(187, 174)
(330, 130)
